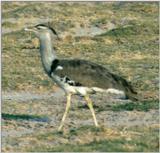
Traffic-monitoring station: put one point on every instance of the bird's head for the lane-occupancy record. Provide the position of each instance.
(42, 30)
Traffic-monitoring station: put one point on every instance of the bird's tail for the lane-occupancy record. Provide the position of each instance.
(133, 96)
(128, 89)
(117, 93)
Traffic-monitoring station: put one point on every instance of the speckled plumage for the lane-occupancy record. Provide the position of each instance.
(77, 76)
(89, 74)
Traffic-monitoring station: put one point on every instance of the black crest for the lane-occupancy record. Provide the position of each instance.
(43, 25)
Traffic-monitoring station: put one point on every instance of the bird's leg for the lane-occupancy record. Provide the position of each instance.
(90, 105)
(66, 111)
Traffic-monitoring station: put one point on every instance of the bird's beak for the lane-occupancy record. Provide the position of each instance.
(29, 29)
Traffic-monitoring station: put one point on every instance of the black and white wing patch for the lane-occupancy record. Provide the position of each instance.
(56, 67)
(70, 82)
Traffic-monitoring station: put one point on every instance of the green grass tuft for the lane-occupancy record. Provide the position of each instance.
(139, 106)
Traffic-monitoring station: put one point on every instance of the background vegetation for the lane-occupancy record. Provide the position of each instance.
(122, 36)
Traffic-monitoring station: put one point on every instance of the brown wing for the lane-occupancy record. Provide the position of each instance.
(86, 73)
(92, 75)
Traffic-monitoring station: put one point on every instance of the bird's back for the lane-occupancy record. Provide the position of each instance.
(89, 74)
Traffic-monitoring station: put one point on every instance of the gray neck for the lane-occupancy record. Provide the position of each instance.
(47, 52)
(48, 56)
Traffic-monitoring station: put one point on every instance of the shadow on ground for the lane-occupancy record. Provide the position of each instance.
(6, 116)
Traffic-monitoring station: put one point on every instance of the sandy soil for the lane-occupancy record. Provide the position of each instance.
(52, 105)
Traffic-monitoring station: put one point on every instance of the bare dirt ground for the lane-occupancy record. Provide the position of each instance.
(49, 108)
(121, 36)
(108, 117)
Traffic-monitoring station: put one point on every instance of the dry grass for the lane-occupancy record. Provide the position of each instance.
(128, 46)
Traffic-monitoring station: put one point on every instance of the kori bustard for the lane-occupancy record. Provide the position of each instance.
(77, 76)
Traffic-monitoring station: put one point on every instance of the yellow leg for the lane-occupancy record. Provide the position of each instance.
(66, 111)
(90, 105)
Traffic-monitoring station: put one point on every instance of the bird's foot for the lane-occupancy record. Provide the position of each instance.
(97, 125)
(60, 128)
